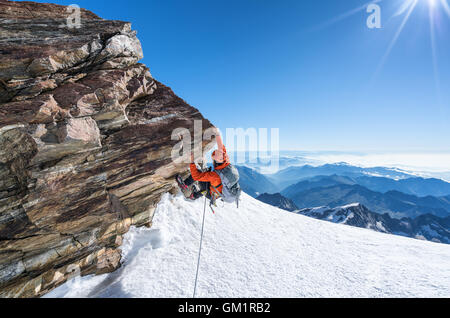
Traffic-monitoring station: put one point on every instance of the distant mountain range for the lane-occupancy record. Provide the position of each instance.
(397, 193)
(292, 175)
(415, 186)
(336, 191)
(378, 179)
(254, 183)
(427, 227)
(279, 201)
(388, 200)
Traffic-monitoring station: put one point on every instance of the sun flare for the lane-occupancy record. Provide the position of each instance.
(406, 9)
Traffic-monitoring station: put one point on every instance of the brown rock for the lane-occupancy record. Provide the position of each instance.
(85, 145)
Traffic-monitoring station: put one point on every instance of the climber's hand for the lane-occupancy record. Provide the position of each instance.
(216, 131)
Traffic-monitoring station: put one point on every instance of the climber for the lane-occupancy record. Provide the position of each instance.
(220, 183)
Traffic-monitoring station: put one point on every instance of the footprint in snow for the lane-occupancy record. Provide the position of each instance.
(156, 239)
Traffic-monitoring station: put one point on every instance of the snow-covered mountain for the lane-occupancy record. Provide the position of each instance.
(262, 251)
(426, 227)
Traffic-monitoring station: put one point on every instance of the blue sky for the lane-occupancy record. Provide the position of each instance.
(259, 63)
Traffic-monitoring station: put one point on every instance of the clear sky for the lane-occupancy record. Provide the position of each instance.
(305, 67)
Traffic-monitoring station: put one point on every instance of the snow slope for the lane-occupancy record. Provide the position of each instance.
(262, 251)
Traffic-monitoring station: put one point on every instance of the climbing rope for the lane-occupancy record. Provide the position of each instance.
(200, 250)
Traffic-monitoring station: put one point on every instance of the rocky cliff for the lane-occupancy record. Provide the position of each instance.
(85, 144)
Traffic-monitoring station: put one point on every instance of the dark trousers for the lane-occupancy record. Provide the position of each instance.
(204, 186)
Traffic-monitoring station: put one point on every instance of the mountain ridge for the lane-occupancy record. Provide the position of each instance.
(278, 201)
(397, 204)
(427, 226)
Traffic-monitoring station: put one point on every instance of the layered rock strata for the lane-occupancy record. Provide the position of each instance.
(85, 144)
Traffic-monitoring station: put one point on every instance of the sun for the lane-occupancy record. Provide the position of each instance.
(432, 4)
(406, 9)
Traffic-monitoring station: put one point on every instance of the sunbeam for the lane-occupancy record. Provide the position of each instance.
(344, 16)
(405, 6)
(446, 7)
(394, 40)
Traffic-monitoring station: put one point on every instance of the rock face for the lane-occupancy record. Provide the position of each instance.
(85, 144)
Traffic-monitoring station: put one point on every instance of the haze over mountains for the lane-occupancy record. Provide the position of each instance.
(292, 175)
(427, 165)
(414, 185)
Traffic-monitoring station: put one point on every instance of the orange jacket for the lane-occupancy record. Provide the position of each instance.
(211, 176)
